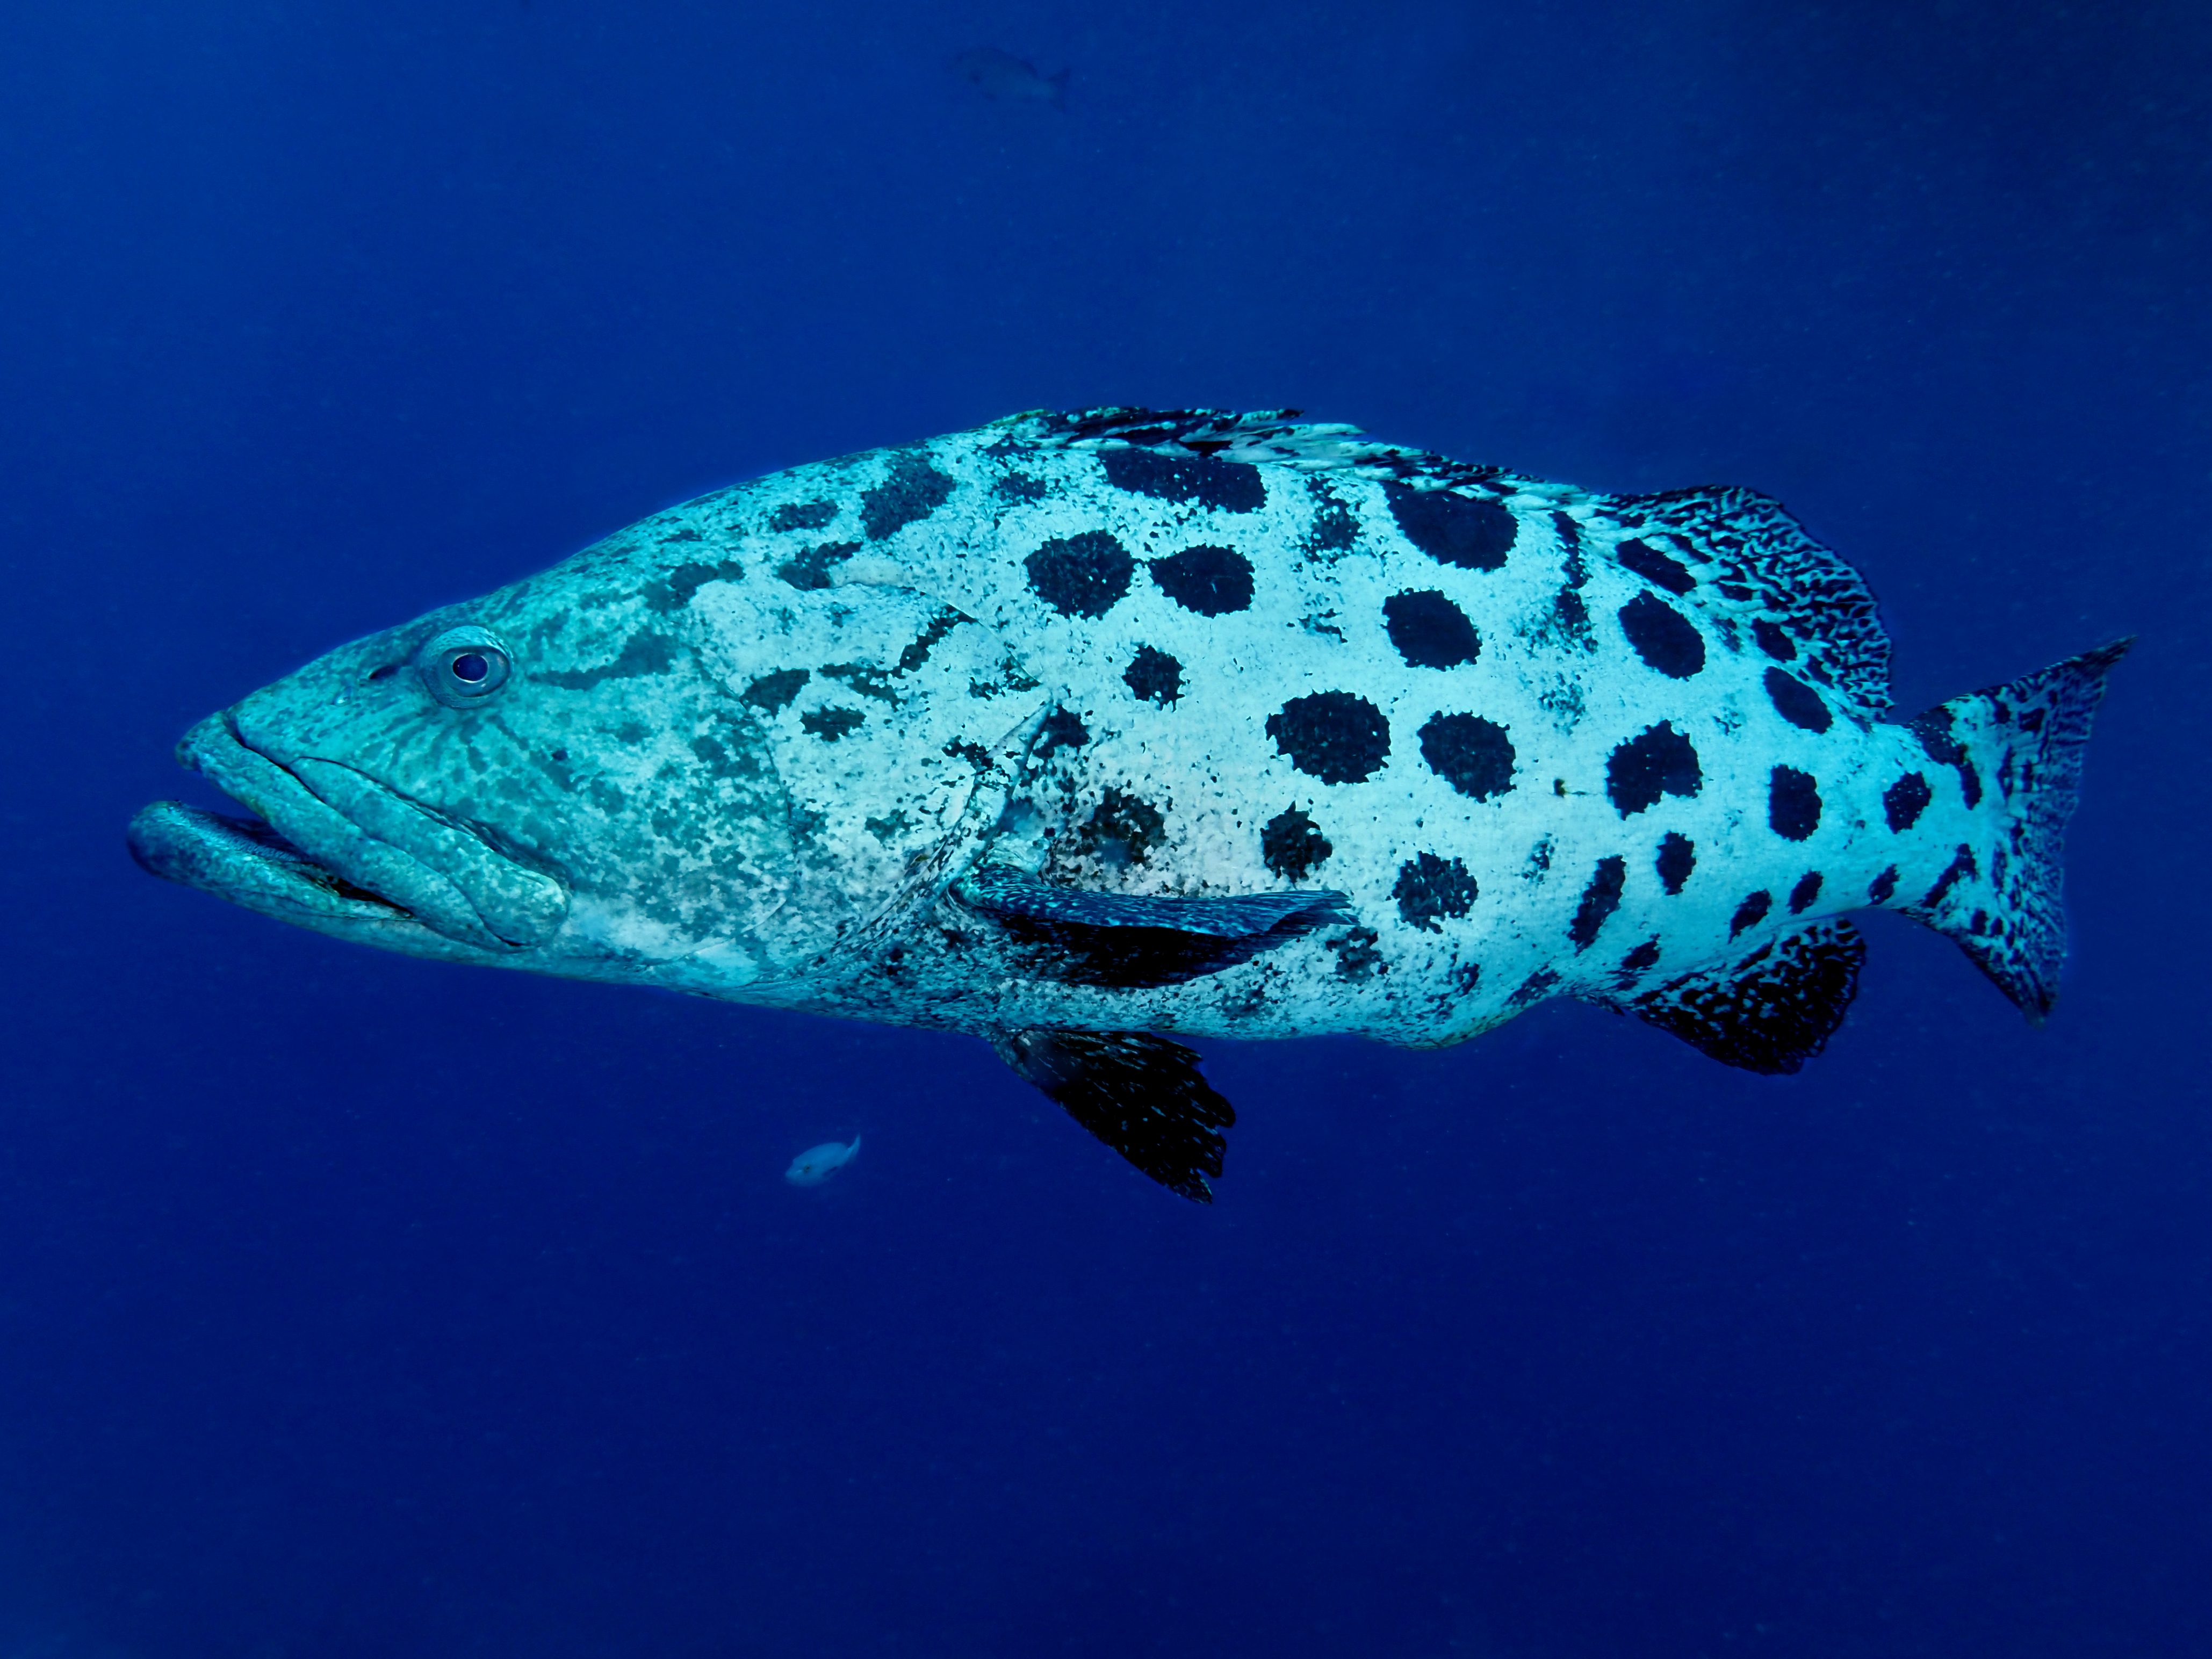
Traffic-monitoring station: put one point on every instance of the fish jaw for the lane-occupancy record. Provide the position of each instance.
(339, 844)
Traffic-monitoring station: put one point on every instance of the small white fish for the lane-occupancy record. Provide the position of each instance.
(818, 1163)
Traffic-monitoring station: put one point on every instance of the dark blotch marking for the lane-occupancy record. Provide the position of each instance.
(1678, 856)
(1806, 889)
(1962, 866)
(1883, 886)
(1232, 486)
(1212, 580)
(1667, 640)
(1797, 702)
(1062, 729)
(1153, 676)
(1357, 956)
(1600, 900)
(648, 651)
(865, 678)
(802, 515)
(1645, 955)
(974, 754)
(1658, 760)
(1430, 631)
(1654, 567)
(1081, 575)
(1934, 731)
(831, 724)
(1772, 640)
(676, 589)
(810, 570)
(1533, 988)
(1473, 754)
(914, 491)
(1335, 530)
(1571, 612)
(924, 642)
(1793, 802)
(1750, 913)
(1454, 529)
(1904, 801)
(773, 692)
(1020, 487)
(1430, 887)
(1333, 736)
(1122, 830)
(1291, 844)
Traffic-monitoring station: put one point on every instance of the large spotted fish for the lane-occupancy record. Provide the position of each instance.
(1077, 730)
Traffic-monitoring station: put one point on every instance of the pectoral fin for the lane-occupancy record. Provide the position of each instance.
(1139, 1093)
(1131, 941)
(1770, 1011)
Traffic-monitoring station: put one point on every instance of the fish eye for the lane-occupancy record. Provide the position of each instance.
(464, 665)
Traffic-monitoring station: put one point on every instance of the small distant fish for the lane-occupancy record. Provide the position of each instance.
(1010, 80)
(818, 1163)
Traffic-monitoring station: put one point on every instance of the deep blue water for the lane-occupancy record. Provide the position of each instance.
(353, 1307)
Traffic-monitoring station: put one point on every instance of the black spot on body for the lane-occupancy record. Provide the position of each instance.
(1335, 530)
(1533, 989)
(974, 753)
(1934, 731)
(1678, 856)
(1797, 702)
(1750, 913)
(1806, 889)
(648, 651)
(1429, 887)
(1430, 631)
(1904, 801)
(1645, 955)
(1961, 866)
(810, 570)
(1331, 735)
(1667, 640)
(1231, 486)
(1658, 760)
(1473, 754)
(913, 492)
(1793, 802)
(1291, 844)
(1654, 567)
(1081, 575)
(1153, 677)
(1020, 487)
(1356, 954)
(677, 587)
(830, 724)
(1772, 640)
(1600, 900)
(939, 626)
(1214, 581)
(1062, 729)
(802, 515)
(865, 678)
(1123, 830)
(1571, 613)
(1883, 886)
(1454, 529)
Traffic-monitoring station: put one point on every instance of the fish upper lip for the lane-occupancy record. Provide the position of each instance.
(443, 873)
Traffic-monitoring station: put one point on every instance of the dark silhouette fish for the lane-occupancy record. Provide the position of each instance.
(1007, 79)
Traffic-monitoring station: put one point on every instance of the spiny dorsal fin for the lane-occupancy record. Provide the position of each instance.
(1735, 554)
(1130, 940)
(1139, 1093)
(1770, 1011)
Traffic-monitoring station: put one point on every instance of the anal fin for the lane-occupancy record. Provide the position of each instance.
(1769, 1012)
(1139, 1093)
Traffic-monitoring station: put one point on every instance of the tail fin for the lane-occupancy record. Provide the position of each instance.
(1998, 900)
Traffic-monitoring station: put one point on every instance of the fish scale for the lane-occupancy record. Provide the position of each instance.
(1080, 732)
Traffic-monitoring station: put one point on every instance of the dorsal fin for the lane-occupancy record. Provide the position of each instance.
(1743, 561)
(1735, 554)
(1769, 1012)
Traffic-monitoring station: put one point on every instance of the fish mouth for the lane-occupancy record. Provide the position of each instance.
(335, 849)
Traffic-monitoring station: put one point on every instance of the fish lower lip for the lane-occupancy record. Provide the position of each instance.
(248, 862)
(342, 822)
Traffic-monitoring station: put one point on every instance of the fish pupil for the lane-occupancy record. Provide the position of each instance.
(472, 666)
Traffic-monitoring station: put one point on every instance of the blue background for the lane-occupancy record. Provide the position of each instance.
(352, 1306)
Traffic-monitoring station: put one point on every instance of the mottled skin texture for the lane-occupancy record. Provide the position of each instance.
(1542, 742)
